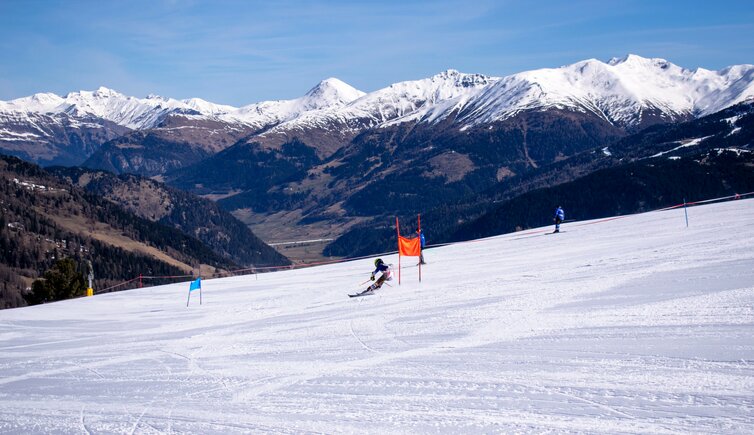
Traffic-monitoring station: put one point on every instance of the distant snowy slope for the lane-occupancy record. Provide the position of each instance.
(630, 93)
(634, 325)
(131, 112)
(328, 94)
(41, 103)
(49, 129)
(627, 92)
(207, 108)
(140, 113)
(399, 102)
(621, 90)
(736, 84)
(406, 100)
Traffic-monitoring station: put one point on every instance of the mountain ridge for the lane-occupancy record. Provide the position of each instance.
(136, 113)
(314, 166)
(631, 92)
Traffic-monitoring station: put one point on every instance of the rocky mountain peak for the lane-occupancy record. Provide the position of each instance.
(332, 91)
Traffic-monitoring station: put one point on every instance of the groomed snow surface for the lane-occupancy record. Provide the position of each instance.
(634, 325)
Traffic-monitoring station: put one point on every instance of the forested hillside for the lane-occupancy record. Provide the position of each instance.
(197, 217)
(657, 167)
(44, 219)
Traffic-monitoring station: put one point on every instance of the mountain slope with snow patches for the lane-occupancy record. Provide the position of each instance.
(328, 94)
(621, 91)
(638, 324)
(626, 92)
(330, 128)
(405, 101)
(130, 112)
(35, 127)
(630, 93)
(141, 113)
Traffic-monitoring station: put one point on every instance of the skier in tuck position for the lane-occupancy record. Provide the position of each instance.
(384, 269)
(559, 218)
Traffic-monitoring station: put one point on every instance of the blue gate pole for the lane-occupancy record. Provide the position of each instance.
(685, 211)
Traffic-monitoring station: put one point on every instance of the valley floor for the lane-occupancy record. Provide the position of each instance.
(302, 244)
(635, 325)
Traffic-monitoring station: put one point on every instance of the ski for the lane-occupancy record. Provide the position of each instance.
(364, 293)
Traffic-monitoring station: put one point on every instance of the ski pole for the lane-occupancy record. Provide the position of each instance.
(366, 281)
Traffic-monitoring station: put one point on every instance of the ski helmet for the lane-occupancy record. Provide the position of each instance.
(377, 262)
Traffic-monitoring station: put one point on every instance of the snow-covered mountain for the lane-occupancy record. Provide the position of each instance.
(630, 92)
(36, 127)
(54, 138)
(399, 102)
(329, 95)
(141, 113)
(47, 128)
(621, 91)
(130, 112)
(632, 325)
(627, 92)
(330, 128)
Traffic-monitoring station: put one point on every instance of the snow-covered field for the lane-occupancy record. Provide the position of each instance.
(635, 325)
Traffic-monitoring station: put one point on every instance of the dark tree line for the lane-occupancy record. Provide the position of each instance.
(63, 281)
(194, 216)
(632, 188)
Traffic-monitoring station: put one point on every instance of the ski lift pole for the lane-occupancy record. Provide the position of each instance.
(398, 232)
(685, 212)
(90, 276)
(419, 227)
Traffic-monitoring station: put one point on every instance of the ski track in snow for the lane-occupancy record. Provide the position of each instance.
(635, 325)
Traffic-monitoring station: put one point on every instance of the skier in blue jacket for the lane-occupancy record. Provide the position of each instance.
(559, 217)
(383, 269)
(421, 246)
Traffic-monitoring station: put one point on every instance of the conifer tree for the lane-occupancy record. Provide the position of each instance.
(62, 281)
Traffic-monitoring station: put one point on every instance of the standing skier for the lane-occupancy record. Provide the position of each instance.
(421, 246)
(384, 270)
(559, 218)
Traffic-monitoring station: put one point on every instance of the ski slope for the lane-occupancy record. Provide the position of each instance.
(634, 325)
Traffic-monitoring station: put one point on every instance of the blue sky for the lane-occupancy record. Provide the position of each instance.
(241, 52)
